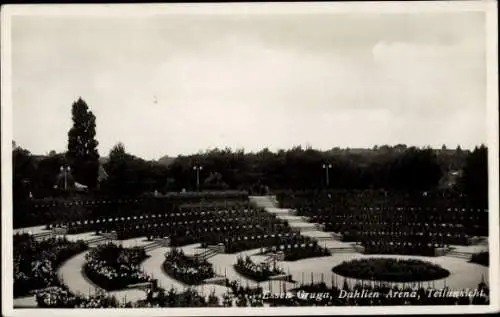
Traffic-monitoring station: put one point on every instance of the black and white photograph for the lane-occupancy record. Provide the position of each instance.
(250, 158)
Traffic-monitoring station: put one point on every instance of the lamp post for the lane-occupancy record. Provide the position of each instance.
(327, 168)
(65, 170)
(197, 169)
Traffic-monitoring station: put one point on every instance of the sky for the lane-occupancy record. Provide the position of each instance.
(178, 84)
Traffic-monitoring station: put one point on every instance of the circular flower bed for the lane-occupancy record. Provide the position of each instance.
(391, 270)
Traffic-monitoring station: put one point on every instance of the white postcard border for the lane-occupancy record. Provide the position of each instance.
(131, 10)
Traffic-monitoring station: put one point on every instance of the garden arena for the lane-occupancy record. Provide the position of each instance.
(230, 249)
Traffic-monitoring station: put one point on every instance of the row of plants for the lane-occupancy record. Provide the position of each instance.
(414, 238)
(219, 194)
(36, 262)
(279, 236)
(387, 248)
(305, 251)
(243, 203)
(191, 271)
(202, 214)
(200, 228)
(391, 270)
(257, 272)
(54, 212)
(114, 267)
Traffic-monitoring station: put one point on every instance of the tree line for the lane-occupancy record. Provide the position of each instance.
(386, 167)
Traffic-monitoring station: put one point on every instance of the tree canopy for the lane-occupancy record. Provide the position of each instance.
(400, 168)
(82, 152)
(391, 168)
(130, 175)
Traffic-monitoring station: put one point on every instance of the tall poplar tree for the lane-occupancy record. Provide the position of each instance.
(82, 152)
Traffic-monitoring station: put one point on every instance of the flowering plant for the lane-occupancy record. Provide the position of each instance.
(35, 262)
(257, 272)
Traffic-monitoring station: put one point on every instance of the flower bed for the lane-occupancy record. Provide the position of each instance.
(187, 270)
(482, 258)
(257, 272)
(36, 262)
(391, 270)
(113, 267)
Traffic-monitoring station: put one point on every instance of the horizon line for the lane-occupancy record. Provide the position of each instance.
(276, 151)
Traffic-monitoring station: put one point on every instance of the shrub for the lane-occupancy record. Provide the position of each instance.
(36, 262)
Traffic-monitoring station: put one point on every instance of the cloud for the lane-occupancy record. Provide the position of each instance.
(438, 78)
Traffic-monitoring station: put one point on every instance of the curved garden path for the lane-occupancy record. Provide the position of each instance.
(72, 275)
(222, 264)
(154, 267)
